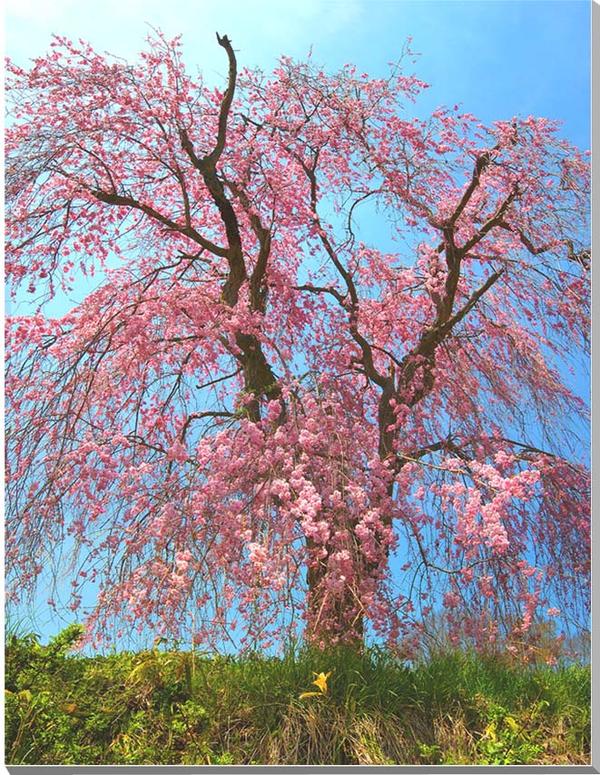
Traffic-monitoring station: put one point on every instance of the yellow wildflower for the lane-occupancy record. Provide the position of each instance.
(321, 683)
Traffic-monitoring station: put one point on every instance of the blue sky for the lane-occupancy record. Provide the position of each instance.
(495, 58)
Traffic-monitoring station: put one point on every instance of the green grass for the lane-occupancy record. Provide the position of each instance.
(177, 707)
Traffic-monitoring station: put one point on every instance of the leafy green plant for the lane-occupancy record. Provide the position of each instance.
(506, 741)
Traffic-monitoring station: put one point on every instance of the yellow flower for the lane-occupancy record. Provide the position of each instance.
(321, 683)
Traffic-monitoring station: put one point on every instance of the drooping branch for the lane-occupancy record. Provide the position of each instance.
(112, 198)
(582, 257)
(322, 289)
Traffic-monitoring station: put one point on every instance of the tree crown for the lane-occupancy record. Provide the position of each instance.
(260, 407)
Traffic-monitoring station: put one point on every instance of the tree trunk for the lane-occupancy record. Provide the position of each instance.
(342, 614)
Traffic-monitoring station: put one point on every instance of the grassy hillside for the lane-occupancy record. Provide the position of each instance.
(176, 707)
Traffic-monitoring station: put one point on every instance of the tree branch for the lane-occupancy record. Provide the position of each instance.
(213, 157)
(112, 198)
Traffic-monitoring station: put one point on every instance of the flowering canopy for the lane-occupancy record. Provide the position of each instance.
(260, 414)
